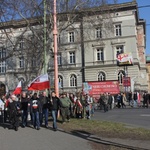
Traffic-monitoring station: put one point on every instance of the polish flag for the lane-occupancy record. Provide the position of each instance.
(18, 89)
(39, 83)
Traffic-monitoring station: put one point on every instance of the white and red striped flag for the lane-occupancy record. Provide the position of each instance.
(39, 83)
(18, 89)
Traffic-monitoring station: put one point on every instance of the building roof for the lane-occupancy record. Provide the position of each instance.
(100, 9)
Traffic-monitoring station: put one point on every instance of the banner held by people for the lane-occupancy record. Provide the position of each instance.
(18, 89)
(39, 83)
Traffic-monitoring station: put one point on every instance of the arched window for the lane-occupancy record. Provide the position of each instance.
(22, 81)
(101, 76)
(73, 80)
(121, 74)
(60, 81)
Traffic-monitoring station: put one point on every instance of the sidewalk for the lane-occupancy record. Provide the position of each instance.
(117, 142)
(43, 139)
(124, 143)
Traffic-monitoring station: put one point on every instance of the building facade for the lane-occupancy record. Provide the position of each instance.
(88, 49)
(97, 39)
(148, 71)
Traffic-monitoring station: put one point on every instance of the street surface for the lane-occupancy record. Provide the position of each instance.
(133, 117)
(44, 139)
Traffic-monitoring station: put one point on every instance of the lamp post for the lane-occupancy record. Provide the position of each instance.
(55, 51)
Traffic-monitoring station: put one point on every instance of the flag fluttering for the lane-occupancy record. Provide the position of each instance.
(18, 89)
(39, 83)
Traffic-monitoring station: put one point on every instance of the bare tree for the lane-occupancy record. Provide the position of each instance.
(22, 28)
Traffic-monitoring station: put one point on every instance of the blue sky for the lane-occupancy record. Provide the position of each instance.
(143, 14)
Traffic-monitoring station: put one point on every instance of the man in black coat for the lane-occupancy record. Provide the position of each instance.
(14, 108)
(24, 108)
(55, 105)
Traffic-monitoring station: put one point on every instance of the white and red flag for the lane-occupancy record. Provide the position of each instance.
(39, 83)
(18, 89)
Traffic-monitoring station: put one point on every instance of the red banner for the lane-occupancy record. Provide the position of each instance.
(99, 87)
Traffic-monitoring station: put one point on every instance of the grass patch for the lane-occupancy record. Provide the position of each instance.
(106, 129)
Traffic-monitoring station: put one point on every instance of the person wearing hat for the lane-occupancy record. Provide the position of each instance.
(65, 105)
(14, 108)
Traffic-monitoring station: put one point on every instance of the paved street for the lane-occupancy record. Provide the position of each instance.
(44, 139)
(47, 139)
(136, 117)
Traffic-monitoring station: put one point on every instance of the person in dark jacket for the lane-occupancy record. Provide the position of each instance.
(35, 109)
(102, 101)
(55, 105)
(145, 100)
(45, 102)
(119, 99)
(110, 99)
(24, 108)
(65, 105)
(135, 98)
(14, 108)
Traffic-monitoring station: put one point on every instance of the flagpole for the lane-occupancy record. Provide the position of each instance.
(55, 51)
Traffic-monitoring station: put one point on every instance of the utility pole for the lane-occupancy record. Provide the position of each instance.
(45, 68)
(55, 51)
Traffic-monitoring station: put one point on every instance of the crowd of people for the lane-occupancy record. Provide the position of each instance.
(37, 108)
(121, 100)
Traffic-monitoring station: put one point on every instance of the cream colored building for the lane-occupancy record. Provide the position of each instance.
(87, 50)
(104, 36)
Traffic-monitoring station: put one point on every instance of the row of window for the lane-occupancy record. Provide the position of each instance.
(101, 77)
(72, 58)
(73, 79)
(98, 33)
(99, 55)
(71, 35)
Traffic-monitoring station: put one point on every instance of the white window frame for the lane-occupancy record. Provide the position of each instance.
(71, 37)
(121, 74)
(21, 43)
(21, 62)
(73, 80)
(98, 33)
(100, 54)
(2, 63)
(59, 59)
(60, 81)
(72, 57)
(101, 76)
(119, 50)
(118, 30)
